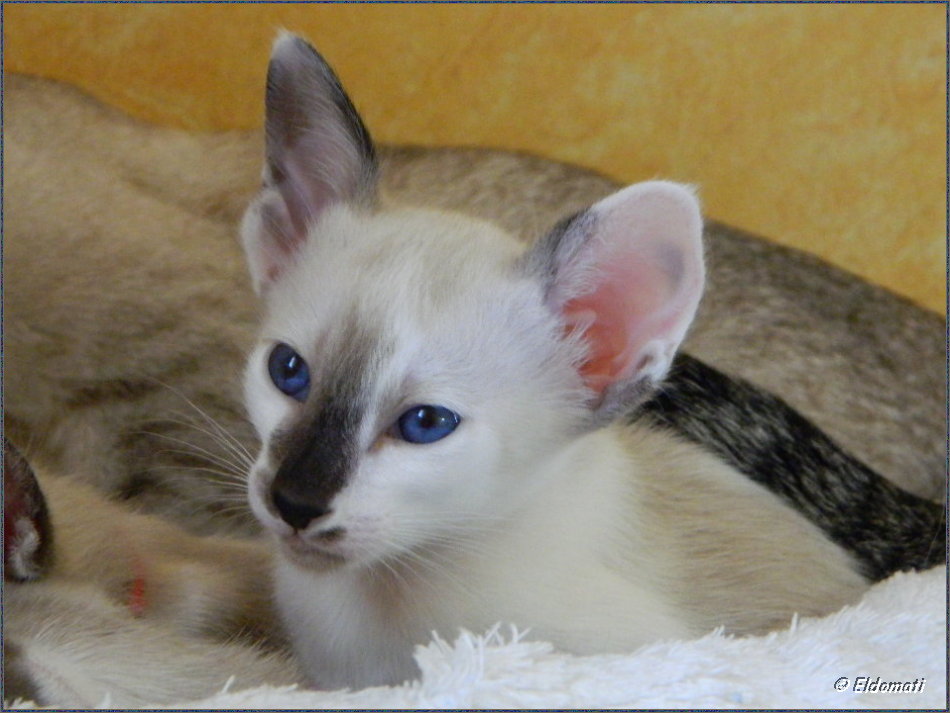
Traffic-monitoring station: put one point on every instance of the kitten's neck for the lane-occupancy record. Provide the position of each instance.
(581, 498)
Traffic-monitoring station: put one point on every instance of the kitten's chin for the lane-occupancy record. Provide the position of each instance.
(306, 555)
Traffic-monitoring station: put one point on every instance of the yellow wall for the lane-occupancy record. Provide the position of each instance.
(821, 126)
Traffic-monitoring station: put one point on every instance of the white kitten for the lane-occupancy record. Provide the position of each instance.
(437, 415)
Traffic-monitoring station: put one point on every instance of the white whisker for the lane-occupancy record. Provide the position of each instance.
(225, 436)
(196, 449)
(233, 481)
(235, 450)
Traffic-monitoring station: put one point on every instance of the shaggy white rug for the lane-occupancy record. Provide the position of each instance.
(888, 651)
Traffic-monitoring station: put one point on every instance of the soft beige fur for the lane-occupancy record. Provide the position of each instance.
(760, 562)
(212, 586)
(133, 611)
(70, 646)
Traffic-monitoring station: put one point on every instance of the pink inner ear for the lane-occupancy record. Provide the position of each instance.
(272, 241)
(618, 318)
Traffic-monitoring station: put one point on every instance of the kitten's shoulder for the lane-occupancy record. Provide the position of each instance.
(716, 529)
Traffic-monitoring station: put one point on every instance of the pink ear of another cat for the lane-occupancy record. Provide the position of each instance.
(27, 533)
(640, 282)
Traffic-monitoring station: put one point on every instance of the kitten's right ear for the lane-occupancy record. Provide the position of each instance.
(318, 154)
(27, 533)
(625, 277)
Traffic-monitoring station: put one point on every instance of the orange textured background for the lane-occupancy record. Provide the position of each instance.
(820, 126)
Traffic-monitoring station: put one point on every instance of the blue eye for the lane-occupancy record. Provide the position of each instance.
(426, 424)
(289, 372)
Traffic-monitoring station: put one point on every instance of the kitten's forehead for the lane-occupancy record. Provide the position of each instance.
(414, 248)
(425, 292)
(393, 269)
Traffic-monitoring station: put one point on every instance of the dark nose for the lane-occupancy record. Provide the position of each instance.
(296, 513)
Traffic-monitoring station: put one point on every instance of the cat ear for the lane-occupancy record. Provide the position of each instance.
(626, 277)
(27, 533)
(318, 154)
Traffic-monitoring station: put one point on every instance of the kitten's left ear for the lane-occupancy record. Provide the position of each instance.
(318, 154)
(626, 277)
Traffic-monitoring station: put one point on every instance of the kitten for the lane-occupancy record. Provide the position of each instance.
(441, 412)
(127, 315)
(101, 604)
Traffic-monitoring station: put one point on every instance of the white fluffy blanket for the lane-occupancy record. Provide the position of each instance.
(895, 637)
